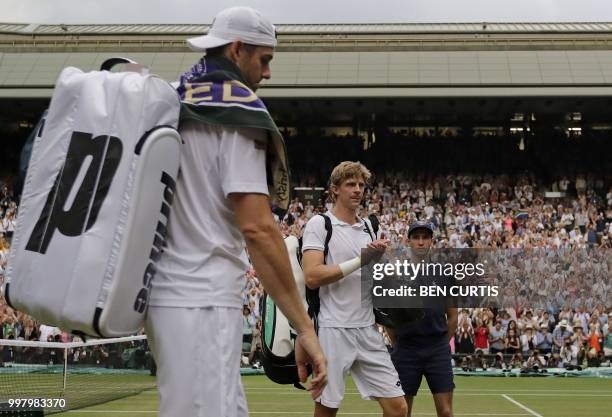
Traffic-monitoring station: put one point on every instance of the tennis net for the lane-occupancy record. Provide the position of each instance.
(80, 373)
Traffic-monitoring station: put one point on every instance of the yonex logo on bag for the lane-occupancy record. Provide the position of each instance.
(71, 210)
(158, 242)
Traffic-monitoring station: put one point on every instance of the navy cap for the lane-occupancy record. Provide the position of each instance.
(420, 225)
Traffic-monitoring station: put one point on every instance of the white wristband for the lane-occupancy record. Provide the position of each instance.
(350, 266)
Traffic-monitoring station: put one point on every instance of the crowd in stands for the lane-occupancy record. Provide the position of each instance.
(533, 340)
(8, 220)
(564, 266)
(506, 209)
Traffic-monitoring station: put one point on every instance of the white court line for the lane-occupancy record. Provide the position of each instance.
(113, 411)
(378, 413)
(529, 410)
(301, 412)
(509, 391)
(458, 393)
(459, 390)
(466, 394)
(154, 391)
(553, 395)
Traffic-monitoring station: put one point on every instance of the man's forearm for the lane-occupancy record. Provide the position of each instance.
(317, 273)
(321, 275)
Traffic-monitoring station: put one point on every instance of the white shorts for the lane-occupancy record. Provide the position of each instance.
(362, 352)
(197, 351)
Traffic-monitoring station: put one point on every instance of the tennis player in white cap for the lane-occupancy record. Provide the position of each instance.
(222, 204)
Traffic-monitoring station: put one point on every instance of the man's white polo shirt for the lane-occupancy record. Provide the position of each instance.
(342, 303)
(204, 263)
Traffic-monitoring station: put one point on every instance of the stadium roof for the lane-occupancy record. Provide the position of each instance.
(373, 28)
(341, 60)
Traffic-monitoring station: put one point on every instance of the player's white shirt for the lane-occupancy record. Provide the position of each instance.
(342, 303)
(204, 263)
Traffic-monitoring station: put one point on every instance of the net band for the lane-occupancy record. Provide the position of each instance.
(70, 345)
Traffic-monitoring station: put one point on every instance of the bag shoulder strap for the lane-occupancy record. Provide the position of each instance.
(375, 225)
(299, 251)
(312, 296)
(329, 231)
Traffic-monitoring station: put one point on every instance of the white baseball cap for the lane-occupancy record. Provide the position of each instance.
(236, 23)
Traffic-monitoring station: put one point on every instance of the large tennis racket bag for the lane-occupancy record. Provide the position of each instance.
(95, 204)
(278, 337)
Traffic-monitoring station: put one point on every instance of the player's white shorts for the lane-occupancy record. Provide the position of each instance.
(197, 351)
(362, 352)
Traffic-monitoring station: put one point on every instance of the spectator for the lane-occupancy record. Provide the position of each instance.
(594, 339)
(544, 340)
(569, 355)
(553, 360)
(578, 338)
(560, 336)
(499, 362)
(535, 362)
(464, 339)
(512, 342)
(512, 326)
(8, 328)
(547, 320)
(248, 324)
(528, 341)
(497, 338)
(255, 353)
(47, 331)
(526, 320)
(481, 336)
(516, 361)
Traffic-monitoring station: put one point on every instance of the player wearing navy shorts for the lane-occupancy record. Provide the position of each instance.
(424, 349)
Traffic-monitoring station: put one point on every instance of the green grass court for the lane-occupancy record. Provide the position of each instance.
(474, 396)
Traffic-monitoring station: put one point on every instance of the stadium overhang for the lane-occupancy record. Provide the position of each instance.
(328, 75)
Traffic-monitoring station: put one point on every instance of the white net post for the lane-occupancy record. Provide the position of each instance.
(65, 370)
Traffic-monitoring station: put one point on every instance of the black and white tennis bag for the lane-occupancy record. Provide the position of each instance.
(95, 204)
(277, 335)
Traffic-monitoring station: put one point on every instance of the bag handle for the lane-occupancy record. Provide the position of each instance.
(111, 62)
